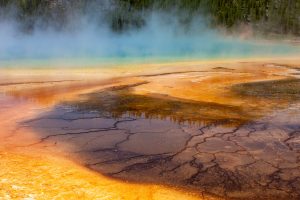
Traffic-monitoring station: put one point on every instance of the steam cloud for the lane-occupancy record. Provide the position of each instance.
(162, 36)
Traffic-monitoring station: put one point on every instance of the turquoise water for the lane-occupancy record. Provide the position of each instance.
(157, 42)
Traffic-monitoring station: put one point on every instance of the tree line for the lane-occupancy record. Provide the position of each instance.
(270, 16)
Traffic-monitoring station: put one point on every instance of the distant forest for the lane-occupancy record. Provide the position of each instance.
(265, 16)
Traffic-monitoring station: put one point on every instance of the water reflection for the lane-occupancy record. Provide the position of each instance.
(120, 101)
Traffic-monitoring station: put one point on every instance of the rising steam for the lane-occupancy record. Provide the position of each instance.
(161, 37)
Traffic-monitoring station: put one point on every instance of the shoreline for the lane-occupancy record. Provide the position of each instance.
(91, 63)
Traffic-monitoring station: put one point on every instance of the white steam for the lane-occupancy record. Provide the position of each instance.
(162, 36)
